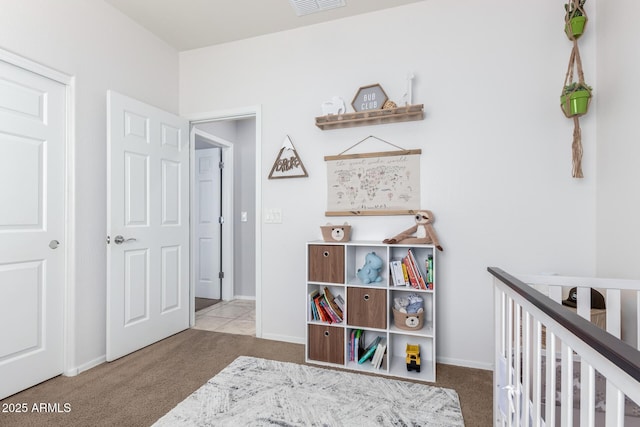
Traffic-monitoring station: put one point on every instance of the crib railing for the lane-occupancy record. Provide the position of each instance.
(525, 374)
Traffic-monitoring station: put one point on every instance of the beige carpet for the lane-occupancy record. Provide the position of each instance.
(138, 389)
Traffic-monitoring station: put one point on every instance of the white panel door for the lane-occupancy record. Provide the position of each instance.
(147, 225)
(32, 228)
(207, 226)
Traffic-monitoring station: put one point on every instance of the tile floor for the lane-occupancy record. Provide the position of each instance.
(232, 317)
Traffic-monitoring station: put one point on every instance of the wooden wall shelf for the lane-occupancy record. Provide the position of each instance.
(371, 117)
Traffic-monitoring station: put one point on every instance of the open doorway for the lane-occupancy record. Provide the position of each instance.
(209, 237)
(226, 198)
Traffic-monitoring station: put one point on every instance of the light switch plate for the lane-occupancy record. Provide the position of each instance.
(273, 216)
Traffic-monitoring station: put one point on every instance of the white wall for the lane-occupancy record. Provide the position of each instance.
(104, 50)
(618, 147)
(226, 129)
(495, 166)
(619, 140)
(496, 162)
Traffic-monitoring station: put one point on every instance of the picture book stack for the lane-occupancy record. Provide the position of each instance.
(406, 272)
(374, 352)
(324, 307)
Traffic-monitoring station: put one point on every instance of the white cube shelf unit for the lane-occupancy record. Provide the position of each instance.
(369, 308)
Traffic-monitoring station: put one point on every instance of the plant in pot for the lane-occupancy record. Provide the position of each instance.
(575, 99)
(575, 19)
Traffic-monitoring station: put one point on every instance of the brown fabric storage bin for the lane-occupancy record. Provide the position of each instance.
(400, 320)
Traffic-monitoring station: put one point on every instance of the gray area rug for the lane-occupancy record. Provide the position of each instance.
(260, 392)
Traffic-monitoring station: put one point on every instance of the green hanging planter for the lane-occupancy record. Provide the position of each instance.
(575, 27)
(577, 103)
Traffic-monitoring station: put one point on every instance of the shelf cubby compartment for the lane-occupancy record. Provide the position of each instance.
(369, 336)
(367, 307)
(421, 253)
(397, 362)
(325, 263)
(356, 258)
(325, 344)
(427, 315)
(335, 291)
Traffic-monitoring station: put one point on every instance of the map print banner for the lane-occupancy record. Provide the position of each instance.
(383, 183)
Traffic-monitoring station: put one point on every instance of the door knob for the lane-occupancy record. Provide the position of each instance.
(118, 240)
(54, 244)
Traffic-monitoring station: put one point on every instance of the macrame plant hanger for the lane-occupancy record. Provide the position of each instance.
(574, 8)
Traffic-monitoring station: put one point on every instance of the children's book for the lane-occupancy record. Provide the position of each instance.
(416, 269)
(313, 312)
(331, 302)
(368, 352)
(352, 340)
(376, 360)
(413, 279)
(396, 273)
(358, 344)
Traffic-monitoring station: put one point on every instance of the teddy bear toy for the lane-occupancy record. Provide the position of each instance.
(421, 233)
(370, 272)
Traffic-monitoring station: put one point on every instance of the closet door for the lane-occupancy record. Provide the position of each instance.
(32, 228)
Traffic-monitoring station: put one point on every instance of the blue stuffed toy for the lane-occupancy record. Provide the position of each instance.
(370, 272)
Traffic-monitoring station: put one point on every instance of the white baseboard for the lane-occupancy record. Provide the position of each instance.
(248, 298)
(283, 338)
(70, 372)
(465, 363)
(85, 366)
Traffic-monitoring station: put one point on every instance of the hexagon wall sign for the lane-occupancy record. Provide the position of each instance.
(370, 97)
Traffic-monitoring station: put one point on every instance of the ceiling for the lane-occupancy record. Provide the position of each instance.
(191, 24)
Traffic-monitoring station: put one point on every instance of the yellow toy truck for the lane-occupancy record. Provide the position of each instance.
(413, 357)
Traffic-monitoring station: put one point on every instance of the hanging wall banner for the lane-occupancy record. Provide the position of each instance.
(383, 183)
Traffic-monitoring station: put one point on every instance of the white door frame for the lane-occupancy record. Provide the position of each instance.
(69, 309)
(245, 113)
(227, 214)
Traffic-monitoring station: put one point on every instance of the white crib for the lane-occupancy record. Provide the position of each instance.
(555, 367)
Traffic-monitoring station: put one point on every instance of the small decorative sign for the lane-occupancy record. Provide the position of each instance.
(370, 97)
(288, 163)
